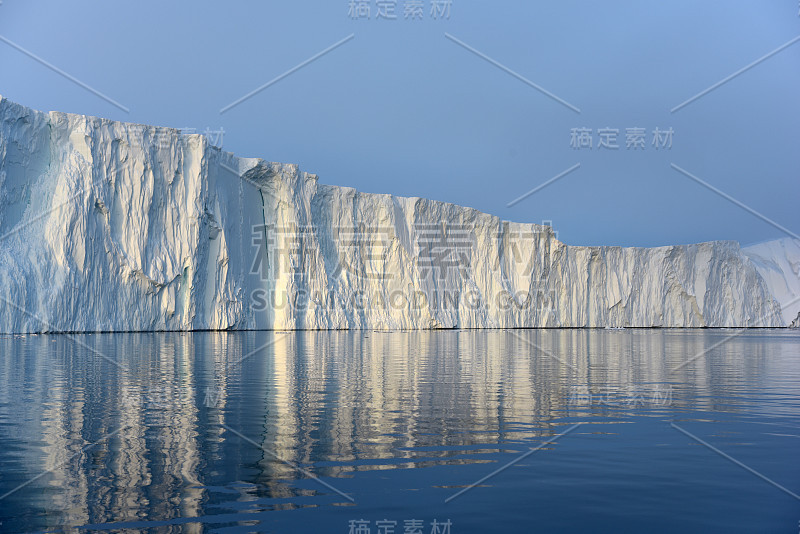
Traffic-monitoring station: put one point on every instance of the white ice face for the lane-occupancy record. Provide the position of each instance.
(108, 226)
(778, 263)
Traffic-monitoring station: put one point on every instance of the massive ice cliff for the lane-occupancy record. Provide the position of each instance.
(108, 226)
(778, 263)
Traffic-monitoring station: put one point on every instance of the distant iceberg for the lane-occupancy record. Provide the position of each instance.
(109, 226)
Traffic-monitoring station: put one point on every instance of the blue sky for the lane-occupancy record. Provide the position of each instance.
(402, 109)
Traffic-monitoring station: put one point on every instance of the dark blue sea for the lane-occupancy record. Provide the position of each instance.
(435, 432)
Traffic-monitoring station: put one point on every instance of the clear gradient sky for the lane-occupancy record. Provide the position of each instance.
(400, 108)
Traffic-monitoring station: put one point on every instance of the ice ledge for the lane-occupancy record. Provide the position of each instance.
(109, 226)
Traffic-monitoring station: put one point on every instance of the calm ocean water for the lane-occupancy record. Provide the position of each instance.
(402, 432)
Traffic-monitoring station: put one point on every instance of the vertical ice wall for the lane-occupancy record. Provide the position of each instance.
(108, 226)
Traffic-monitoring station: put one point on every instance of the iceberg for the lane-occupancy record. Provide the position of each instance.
(111, 226)
(778, 263)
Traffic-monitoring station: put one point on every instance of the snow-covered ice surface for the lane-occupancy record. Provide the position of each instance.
(778, 262)
(109, 226)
